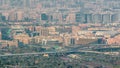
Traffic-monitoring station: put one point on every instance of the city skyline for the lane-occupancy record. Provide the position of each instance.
(59, 33)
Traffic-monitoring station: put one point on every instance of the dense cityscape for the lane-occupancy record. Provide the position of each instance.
(59, 33)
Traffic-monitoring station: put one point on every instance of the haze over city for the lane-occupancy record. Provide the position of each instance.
(59, 33)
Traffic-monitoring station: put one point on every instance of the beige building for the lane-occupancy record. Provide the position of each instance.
(12, 16)
(52, 31)
(70, 18)
(44, 31)
(41, 39)
(37, 28)
(115, 40)
(19, 15)
(66, 41)
(78, 40)
(6, 43)
(22, 38)
(75, 29)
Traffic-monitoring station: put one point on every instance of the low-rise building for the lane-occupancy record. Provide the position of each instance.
(114, 40)
(24, 38)
(6, 43)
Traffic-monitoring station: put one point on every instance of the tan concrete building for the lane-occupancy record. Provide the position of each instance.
(20, 15)
(70, 18)
(75, 29)
(6, 43)
(115, 40)
(44, 31)
(22, 38)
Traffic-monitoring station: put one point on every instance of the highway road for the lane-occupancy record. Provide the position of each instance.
(70, 51)
(39, 53)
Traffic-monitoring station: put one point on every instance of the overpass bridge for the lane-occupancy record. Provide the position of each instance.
(108, 48)
(41, 53)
